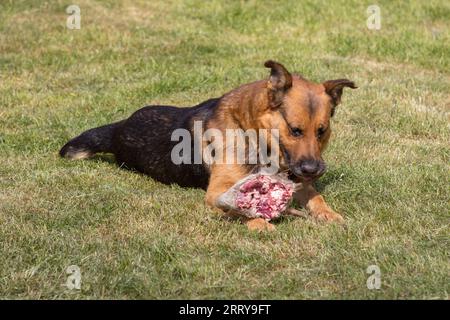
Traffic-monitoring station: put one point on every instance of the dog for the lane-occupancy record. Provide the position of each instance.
(299, 109)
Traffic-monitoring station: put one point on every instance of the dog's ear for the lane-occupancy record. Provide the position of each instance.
(280, 81)
(334, 89)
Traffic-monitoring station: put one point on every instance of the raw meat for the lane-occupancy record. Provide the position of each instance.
(265, 196)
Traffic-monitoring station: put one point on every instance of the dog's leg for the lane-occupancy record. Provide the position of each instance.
(310, 199)
(222, 178)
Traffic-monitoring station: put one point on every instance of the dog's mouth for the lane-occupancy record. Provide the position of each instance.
(308, 178)
(304, 178)
(295, 174)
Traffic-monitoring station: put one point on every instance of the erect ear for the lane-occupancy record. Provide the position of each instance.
(279, 82)
(334, 89)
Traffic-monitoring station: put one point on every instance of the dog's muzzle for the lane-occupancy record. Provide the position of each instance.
(309, 169)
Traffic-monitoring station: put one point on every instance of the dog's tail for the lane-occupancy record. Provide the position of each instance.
(90, 142)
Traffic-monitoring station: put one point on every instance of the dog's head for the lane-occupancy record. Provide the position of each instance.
(301, 110)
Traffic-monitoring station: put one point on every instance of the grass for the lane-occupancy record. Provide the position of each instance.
(135, 238)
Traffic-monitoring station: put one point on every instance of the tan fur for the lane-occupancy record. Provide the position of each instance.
(306, 105)
(79, 155)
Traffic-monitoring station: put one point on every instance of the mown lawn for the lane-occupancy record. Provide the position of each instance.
(135, 238)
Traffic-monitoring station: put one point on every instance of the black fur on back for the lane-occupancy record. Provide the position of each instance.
(143, 142)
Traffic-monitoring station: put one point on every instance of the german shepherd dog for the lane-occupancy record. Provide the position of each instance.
(300, 109)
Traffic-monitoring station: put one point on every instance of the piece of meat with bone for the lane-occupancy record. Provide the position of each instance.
(259, 196)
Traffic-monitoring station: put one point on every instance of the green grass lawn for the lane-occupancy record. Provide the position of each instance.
(132, 237)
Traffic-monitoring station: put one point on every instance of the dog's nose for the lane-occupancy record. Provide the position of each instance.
(309, 168)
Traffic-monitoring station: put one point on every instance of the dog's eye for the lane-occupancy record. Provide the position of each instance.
(296, 132)
(320, 132)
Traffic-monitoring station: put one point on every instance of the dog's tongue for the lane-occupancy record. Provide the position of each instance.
(266, 196)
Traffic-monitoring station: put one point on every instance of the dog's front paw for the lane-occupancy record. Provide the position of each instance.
(327, 215)
(259, 224)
